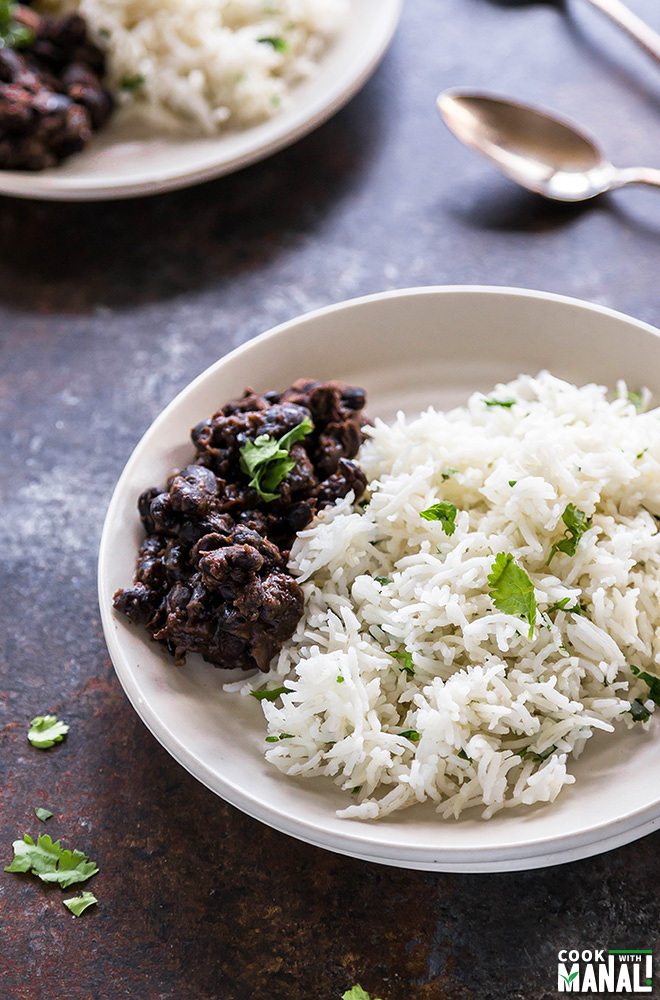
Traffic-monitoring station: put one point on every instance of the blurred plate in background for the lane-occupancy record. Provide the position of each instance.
(123, 162)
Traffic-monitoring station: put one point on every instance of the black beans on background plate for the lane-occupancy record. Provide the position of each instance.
(212, 575)
(51, 92)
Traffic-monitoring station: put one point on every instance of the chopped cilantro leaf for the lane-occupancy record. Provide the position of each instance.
(45, 731)
(636, 399)
(267, 460)
(132, 83)
(13, 33)
(276, 739)
(278, 43)
(561, 606)
(652, 681)
(534, 753)
(340, 679)
(357, 993)
(271, 695)
(363, 504)
(511, 590)
(50, 862)
(78, 904)
(512, 482)
(42, 814)
(639, 711)
(448, 473)
(382, 580)
(445, 512)
(506, 403)
(410, 734)
(408, 665)
(577, 523)
(462, 754)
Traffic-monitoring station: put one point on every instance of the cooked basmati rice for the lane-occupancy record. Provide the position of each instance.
(201, 64)
(498, 715)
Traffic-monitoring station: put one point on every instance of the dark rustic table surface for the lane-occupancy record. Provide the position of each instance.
(106, 311)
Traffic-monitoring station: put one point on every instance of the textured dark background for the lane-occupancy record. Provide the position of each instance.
(106, 311)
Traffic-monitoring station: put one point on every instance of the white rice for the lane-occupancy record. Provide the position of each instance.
(482, 692)
(200, 65)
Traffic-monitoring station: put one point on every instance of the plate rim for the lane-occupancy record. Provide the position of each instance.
(53, 187)
(528, 854)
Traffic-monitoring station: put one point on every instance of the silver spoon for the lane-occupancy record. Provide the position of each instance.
(543, 153)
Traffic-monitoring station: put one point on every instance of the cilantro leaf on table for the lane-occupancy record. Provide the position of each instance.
(42, 814)
(271, 695)
(78, 904)
(266, 460)
(511, 590)
(50, 862)
(445, 512)
(45, 731)
(577, 523)
(357, 993)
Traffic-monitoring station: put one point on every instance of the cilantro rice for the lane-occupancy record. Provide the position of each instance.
(405, 682)
(201, 65)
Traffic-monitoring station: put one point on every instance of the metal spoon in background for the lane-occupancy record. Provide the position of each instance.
(543, 153)
(621, 15)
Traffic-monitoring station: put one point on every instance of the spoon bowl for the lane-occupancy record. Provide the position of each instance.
(540, 151)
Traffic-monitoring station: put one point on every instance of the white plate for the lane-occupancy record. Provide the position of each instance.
(121, 162)
(408, 349)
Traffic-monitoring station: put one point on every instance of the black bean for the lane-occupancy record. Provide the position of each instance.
(51, 92)
(214, 561)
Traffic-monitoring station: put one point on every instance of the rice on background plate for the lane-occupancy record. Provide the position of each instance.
(404, 682)
(197, 66)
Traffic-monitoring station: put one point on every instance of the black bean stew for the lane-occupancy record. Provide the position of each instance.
(51, 92)
(212, 572)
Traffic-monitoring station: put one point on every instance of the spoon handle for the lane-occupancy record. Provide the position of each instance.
(631, 24)
(636, 175)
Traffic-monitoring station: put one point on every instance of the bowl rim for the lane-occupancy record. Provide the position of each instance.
(357, 841)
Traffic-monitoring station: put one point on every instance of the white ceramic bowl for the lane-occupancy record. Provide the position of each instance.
(123, 161)
(408, 349)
